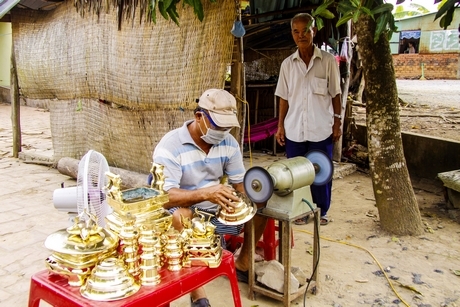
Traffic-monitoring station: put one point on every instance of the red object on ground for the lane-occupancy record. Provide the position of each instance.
(55, 290)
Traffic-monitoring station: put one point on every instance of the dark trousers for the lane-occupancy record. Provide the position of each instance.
(321, 194)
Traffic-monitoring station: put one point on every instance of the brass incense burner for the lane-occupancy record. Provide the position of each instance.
(202, 246)
(109, 280)
(243, 211)
(145, 204)
(77, 249)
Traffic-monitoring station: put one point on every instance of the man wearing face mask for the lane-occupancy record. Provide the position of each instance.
(196, 157)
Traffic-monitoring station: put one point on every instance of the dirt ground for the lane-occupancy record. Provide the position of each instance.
(360, 265)
(430, 107)
(421, 271)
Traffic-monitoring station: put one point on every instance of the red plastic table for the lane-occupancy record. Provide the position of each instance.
(55, 290)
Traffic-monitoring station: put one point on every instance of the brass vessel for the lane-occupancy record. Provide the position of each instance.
(77, 249)
(202, 247)
(243, 211)
(173, 249)
(109, 280)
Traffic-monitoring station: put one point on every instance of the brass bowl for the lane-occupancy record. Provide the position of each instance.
(68, 244)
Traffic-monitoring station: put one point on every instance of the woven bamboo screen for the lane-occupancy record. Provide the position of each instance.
(119, 92)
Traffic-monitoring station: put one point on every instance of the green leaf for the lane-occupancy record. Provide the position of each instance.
(198, 9)
(319, 23)
(172, 12)
(343, 20)
(355, 3)
(322, 7)
(381, 22)
(327, 14)
(79, 106)
(445, 7)
(356, 16)
(162, 9)
(446, 20)
(392, 25)
(345, 7)
(367, 11)
(153, 11)
(387, 7)
(167, 3)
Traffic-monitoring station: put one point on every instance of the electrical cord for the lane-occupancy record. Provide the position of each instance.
(319, 252)
(353, 245)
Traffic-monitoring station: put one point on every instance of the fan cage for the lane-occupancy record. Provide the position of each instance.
(91, 181)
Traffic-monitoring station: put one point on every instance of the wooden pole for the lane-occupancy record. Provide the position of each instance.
(237, 86)
(15, 106)
(337, 150)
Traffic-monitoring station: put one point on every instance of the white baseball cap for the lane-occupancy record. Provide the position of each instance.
(221, 106)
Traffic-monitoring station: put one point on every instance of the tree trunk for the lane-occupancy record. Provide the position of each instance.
(395, 198)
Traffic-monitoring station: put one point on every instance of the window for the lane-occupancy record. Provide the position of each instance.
(409, 41)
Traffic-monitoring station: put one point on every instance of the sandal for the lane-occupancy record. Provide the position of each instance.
(303, 220)
(201, 302)
(324, 220)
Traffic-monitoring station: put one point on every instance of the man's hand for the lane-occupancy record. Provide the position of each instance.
(336, 130)
(280, 136)
(221, 195)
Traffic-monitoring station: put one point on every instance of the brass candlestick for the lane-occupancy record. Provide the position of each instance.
(150, 258)
(173, 252)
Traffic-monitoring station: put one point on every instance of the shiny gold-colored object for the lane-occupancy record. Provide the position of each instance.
(145, 204)
(243, 211)
(78, 248)
(151, 257)
(109, 280)
(202, 247)
(139, 219)
(129, 247)
(173, 249)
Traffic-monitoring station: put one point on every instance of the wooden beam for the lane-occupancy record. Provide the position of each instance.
(15, 106)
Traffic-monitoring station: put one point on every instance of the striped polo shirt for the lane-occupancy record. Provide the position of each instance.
(188, 167)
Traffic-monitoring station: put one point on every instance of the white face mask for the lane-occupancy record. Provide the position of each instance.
(212, 136)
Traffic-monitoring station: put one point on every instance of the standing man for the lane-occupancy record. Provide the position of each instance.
(310, 104)
(196, 157)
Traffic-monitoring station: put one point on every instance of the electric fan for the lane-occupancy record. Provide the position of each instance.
(89, 193)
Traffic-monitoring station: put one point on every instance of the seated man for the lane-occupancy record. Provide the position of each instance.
(196, 157)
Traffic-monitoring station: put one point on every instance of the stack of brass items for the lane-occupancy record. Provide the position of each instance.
(144, 204)
(109, 280)
(201, 246)
(110, 264)
(243, 211)
(139, 217)
(77, 249)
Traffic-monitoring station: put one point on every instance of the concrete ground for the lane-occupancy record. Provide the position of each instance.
(28, 215)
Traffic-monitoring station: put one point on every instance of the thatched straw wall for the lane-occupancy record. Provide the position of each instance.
(119, 92)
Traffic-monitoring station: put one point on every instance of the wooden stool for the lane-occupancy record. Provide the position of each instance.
(55, 290)
(269, 242)
(285, 236)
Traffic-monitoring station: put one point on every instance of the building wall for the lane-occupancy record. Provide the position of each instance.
(435, 66)
(437, 49)
(5, 53)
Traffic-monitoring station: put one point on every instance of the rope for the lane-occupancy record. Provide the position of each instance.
(373, 257)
